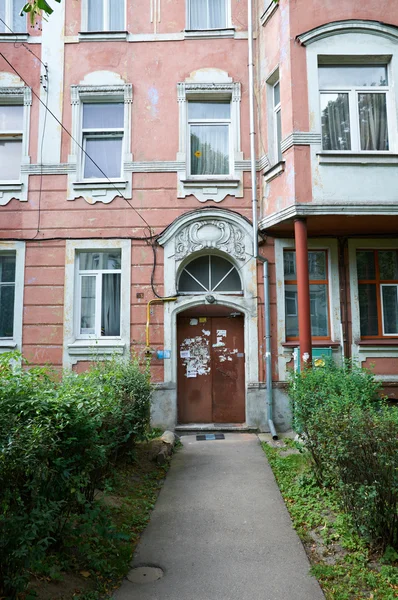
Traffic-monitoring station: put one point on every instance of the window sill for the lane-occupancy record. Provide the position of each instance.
(8, 344)
(274, 171)
(97, 184)
(225, 32)
(9, 186)
(96, 347)
(315, 344)
(14, 37)
(357, 158)
(211, 181)
(102, 36)
(381, 342)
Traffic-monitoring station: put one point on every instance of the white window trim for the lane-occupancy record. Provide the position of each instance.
(101, 189)
(285, 354)
(198, 87)
(9, 189)
(225, 31)
(362, 353)
(105, 33)
(353, 92)
(15, 343)
(78, 348)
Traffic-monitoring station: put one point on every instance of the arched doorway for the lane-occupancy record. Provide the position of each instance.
(210, 346)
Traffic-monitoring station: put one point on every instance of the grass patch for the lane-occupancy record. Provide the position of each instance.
(98, 545)
(344, 566)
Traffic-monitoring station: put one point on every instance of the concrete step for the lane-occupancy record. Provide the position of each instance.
(194, 428)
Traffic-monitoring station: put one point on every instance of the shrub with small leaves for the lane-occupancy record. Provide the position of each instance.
(58, 439)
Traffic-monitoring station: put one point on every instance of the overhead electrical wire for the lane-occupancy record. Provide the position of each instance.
(146, 237)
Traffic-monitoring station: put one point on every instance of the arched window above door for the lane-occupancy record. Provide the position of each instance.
(209, 273)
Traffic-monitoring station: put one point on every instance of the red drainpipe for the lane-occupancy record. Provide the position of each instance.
(303, 292)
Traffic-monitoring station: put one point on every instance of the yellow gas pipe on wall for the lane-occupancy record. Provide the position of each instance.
(148, 318)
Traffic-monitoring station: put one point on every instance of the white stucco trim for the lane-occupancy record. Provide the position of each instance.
(269, 11)
(362, 353)
(75, 349)
(15, 343)
(13, 91)
(327, 208)
(329, 244)
(99, 86)
(348, 26)
(197, 233)
(205, 84)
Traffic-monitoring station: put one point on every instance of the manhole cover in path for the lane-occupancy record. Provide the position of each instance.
(144, 574)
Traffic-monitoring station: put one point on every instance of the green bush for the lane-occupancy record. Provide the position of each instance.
(57, 441)
(352, 437)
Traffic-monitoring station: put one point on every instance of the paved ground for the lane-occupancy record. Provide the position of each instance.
(220, 530)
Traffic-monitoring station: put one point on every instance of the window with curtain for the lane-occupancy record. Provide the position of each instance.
(99, 293)
(11, 133)
(207, 14)
(354, 113)
(106, 15)
(378, 292)
(103, 128)
(11, 20)
(209, 274)
(319, 295)
(7, 293)
(209, 126)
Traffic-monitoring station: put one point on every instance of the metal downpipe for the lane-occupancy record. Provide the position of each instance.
(268, 356)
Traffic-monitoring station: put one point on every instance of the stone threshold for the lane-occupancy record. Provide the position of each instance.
(192, 428)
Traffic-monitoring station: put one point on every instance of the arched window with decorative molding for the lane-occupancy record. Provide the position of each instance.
(209, 273)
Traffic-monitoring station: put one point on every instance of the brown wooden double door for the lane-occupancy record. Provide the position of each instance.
(211, 370)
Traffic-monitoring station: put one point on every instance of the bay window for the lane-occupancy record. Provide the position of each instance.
(209, 126)
(207, 14)
(378, 292)
(319, 303)
(354, 107)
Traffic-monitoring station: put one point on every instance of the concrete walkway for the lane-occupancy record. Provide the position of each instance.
(220, 530)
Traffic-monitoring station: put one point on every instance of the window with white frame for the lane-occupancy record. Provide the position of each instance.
(277, 122)
(11, 20)
(12, 264)
(11, 138)
(102, 132)
(319, 302)
(207, 14)
(99, 293)
(209, 274)
(378, 292)
(354, 102)
(105, 15)
(7, 293)
(209, 124)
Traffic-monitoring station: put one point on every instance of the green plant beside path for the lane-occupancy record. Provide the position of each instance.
(345, 566)
(58, 441)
